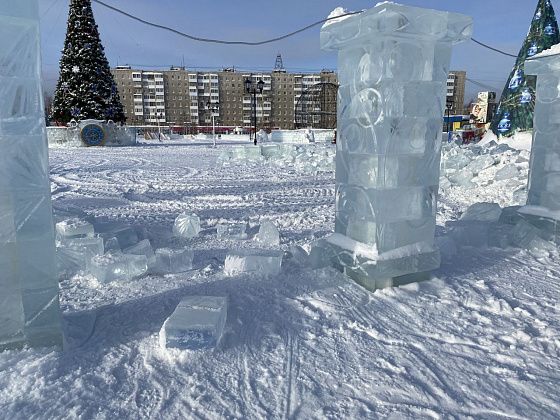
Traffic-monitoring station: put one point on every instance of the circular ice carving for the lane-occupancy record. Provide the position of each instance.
(354, 202)
(93, 135)
(366, 107)
(405, 63)
(357, 139)
(369, 70)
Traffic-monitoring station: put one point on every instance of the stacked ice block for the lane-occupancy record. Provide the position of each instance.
(29, 308)
(393, 66)
(543, 203)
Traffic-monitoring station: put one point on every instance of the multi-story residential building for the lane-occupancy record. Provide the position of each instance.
(181, 97)
(188, 98)
(456, 92)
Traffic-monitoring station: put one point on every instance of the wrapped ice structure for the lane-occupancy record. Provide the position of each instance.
(197, 322)
(544, 172)
(29, 305)
(393, 66)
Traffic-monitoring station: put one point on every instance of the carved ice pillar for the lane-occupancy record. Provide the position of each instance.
(544, 170)
(29, 308)
(393, 67)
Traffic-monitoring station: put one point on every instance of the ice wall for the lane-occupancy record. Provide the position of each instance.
(544, 170)
(393, 66)
(29, 309)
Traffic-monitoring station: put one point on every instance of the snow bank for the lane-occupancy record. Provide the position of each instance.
(520, 140)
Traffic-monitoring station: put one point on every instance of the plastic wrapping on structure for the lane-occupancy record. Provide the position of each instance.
(29, 305)
(544, 171)
(393, 66)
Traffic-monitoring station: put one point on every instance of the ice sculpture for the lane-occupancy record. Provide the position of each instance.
(29, 308)
(393, 66)
(543, 202)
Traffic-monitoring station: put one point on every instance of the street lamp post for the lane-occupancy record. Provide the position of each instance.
(252, 90)
(448, 106)
(158, 116)
(213, 107)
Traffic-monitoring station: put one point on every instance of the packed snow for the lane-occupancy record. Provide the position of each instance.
(481, 339)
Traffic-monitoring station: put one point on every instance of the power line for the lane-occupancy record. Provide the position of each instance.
(218, 41)
(268, 41)
(492, 48)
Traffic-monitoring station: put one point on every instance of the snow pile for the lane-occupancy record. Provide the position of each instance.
(504, 170)
(521, 140)
(309, 159)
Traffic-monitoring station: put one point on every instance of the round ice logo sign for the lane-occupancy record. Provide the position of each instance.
(93, 135)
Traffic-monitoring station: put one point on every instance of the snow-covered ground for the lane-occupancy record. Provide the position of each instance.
(482, 340)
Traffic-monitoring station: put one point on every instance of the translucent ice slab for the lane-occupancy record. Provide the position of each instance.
(117, 266)
(253, 261)
(143, 248)
(74, 228)
(197, 322)
(232, 231)
(268, 234)
(169, 261)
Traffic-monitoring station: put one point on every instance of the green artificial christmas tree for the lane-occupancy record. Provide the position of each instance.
(515, 111)
(85, 88)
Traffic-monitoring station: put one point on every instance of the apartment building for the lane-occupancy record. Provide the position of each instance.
(456, 92)
(188, 98)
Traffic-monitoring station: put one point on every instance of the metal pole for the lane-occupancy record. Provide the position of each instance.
(213, 129)
(255, 114)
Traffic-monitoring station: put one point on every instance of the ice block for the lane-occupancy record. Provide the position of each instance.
(29, 303)
(393, 67)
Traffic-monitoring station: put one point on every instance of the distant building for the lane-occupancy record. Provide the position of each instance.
(456, 91)
(181, 97)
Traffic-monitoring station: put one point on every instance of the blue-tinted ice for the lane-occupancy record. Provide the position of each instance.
(393, 67)
(197, 322)
(29, 306)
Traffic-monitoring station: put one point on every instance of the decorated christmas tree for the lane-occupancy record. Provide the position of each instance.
(515, 111)
(85, 88)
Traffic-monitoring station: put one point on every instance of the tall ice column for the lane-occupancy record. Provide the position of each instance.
(544, 171)
(29, 307)
(393, 67)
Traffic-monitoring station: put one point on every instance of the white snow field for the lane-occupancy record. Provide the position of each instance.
(481, 340)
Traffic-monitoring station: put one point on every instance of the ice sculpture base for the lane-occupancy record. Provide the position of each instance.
(374, 271)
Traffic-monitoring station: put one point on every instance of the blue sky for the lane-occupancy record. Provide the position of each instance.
(501, 23)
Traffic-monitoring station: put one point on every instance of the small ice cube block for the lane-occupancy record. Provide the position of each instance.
(73, 254)
(253, 261)
(111, 244)
(143, 248)
(74, 228)
(507, 172)
(197, 322)
(169, 261)
(483, 212)
(187, 225)
(268, 234)
(117, 266)
(232, 231)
